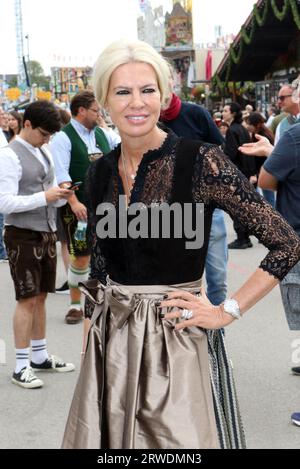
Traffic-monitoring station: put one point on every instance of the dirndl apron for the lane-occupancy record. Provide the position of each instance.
(144, 385)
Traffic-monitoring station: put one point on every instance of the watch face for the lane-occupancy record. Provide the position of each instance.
(231, 306)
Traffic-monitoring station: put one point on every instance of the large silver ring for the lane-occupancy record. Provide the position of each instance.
(186, 314)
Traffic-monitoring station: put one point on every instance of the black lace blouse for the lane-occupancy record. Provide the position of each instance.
(182, 171)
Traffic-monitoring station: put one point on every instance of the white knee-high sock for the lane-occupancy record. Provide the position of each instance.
(39, 351)
(76, 276)
(22, 359)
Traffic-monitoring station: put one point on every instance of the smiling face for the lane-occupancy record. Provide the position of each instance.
(133, 99)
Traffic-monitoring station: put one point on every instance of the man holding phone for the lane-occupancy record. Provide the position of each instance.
(74, 148)
(29, 195)
(75, 185)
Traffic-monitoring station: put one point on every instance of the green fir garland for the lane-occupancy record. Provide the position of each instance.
(295, 11)
(261, 19)
(258, 19)
(280, 15)
(236, 57)
(248, 38)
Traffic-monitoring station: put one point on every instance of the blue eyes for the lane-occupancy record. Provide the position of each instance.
(145, 91)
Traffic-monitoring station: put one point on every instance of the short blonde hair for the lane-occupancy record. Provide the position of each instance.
(122, 52)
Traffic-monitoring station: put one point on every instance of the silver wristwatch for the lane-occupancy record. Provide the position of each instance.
(231, 306)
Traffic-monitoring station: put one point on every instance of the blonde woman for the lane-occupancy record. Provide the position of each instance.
(155, 372)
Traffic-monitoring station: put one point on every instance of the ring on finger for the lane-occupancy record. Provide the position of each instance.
(186, 314)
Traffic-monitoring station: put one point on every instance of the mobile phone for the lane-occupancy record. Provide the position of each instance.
(74, 185)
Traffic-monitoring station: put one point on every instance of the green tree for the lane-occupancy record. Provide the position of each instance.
(36, 75)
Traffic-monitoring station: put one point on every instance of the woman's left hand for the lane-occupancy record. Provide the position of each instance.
(205, 314)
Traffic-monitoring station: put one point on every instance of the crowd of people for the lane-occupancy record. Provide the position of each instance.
(146, 310)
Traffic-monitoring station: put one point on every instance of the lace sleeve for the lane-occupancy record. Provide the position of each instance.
(97, 265)
(220, 183)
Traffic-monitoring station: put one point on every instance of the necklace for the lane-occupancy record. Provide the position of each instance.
(132, 175)
(125, 173)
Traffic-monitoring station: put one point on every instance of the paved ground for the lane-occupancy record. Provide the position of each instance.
(260, 345)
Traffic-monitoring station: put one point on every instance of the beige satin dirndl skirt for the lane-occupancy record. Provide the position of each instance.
(144, 385)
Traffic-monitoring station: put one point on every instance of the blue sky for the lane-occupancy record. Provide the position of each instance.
(76, 32)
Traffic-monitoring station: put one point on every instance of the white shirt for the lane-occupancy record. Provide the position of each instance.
(3, 139)
(11, 174)
(269, 121)
(61, 147)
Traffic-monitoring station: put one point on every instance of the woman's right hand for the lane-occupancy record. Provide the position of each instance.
(260, 148)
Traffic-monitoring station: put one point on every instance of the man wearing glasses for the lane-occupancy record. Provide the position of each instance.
(286, 104)
(281, 172)
(74, 148)
(28, 196)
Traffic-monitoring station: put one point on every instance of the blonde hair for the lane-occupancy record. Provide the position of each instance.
(122, 52)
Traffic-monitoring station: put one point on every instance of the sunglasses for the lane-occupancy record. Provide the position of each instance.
(282, 98)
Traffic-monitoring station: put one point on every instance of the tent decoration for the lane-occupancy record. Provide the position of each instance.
(266, 34)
